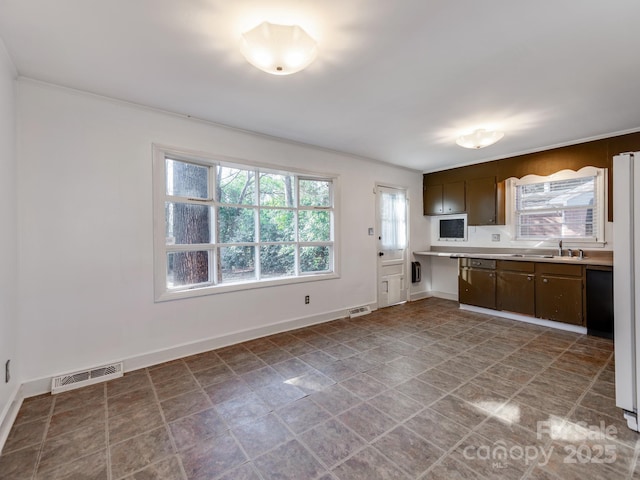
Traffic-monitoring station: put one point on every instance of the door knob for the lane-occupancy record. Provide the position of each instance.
(380, 254)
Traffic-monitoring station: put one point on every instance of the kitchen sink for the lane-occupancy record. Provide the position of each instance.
(525, 255)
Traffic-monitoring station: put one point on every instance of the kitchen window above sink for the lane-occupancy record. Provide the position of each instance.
(566, 205)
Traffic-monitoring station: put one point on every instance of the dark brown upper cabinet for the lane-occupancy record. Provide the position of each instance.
(453, 199)
(444, 198)
(596, 153)
(432, 200)
(481, 196)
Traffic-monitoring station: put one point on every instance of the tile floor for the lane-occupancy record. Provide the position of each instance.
(417, 391)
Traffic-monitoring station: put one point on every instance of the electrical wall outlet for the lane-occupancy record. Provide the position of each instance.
(495, 237)
(306, 299)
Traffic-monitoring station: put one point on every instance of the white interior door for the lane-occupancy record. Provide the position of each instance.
(392, 231)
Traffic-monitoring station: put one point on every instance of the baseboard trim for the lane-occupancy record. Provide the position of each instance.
(444, 295)
(9, 414)
(524, 318)
(419, 296)
(43, 385)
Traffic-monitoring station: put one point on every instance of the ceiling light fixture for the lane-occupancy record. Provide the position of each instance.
(479, 139)
(278, 49)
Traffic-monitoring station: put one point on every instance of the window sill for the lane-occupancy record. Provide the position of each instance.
(168, 295)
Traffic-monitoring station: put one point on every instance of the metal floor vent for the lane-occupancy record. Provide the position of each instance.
(359, 311)
(83, 378)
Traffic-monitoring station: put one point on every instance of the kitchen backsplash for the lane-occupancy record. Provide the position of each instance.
(482, 237)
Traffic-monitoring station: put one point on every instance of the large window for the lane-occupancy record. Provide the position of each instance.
(224, 226)
(567, 205)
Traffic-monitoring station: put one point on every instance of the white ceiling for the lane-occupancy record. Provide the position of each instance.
(395, 81)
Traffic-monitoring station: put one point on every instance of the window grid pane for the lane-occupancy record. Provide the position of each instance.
(236, 225)
(314, 225)
(183, 179)
(315, 193)
(277, 261)
(188, 269)
(277, 190)
(277, 225)
(235, 186)
(187, 223)
(315, 259)
(237, 264)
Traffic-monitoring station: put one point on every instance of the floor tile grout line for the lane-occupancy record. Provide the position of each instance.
(335, 417)
(473, 430)
(370, 443)
(548, 365)
(5, 451)
(166, 423)
(106, 430)
(634, 463)
(45, 435)
(246, 455)
(392, 330)
(579, 400)
(548, 442)
(44, 438)
(229, 427)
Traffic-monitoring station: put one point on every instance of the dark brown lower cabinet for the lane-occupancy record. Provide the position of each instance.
(477, 285)
(516, 287)
(559, 298)
(559, 292)
(551, 291)
(516, 292)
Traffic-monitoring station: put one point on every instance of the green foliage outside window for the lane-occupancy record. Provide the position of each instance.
(253, 214)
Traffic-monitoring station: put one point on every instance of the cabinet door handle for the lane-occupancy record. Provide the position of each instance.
(544, 280)
(529, 278)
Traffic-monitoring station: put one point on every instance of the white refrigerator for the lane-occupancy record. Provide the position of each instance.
(626, 282)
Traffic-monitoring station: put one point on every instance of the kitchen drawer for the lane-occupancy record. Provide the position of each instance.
(560, 269)
(478, 263)
(515, 266)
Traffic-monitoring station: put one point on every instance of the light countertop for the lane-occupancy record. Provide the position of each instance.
(591, 258)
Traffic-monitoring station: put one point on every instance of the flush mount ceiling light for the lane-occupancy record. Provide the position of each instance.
(479, 139)
(278, 49)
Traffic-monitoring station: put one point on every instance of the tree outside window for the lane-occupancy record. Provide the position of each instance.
(235, 224)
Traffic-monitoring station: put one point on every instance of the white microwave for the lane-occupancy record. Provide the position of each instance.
(452, 228)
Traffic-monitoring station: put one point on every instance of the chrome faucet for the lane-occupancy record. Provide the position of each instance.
(570, 252)
(560, 248)
(581, 253)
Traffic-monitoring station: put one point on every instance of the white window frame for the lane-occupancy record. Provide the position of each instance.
(161, 248)
(600, 175)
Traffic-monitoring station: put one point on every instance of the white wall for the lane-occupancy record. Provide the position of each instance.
(85, 230)
(8, 239)
(481, 237)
